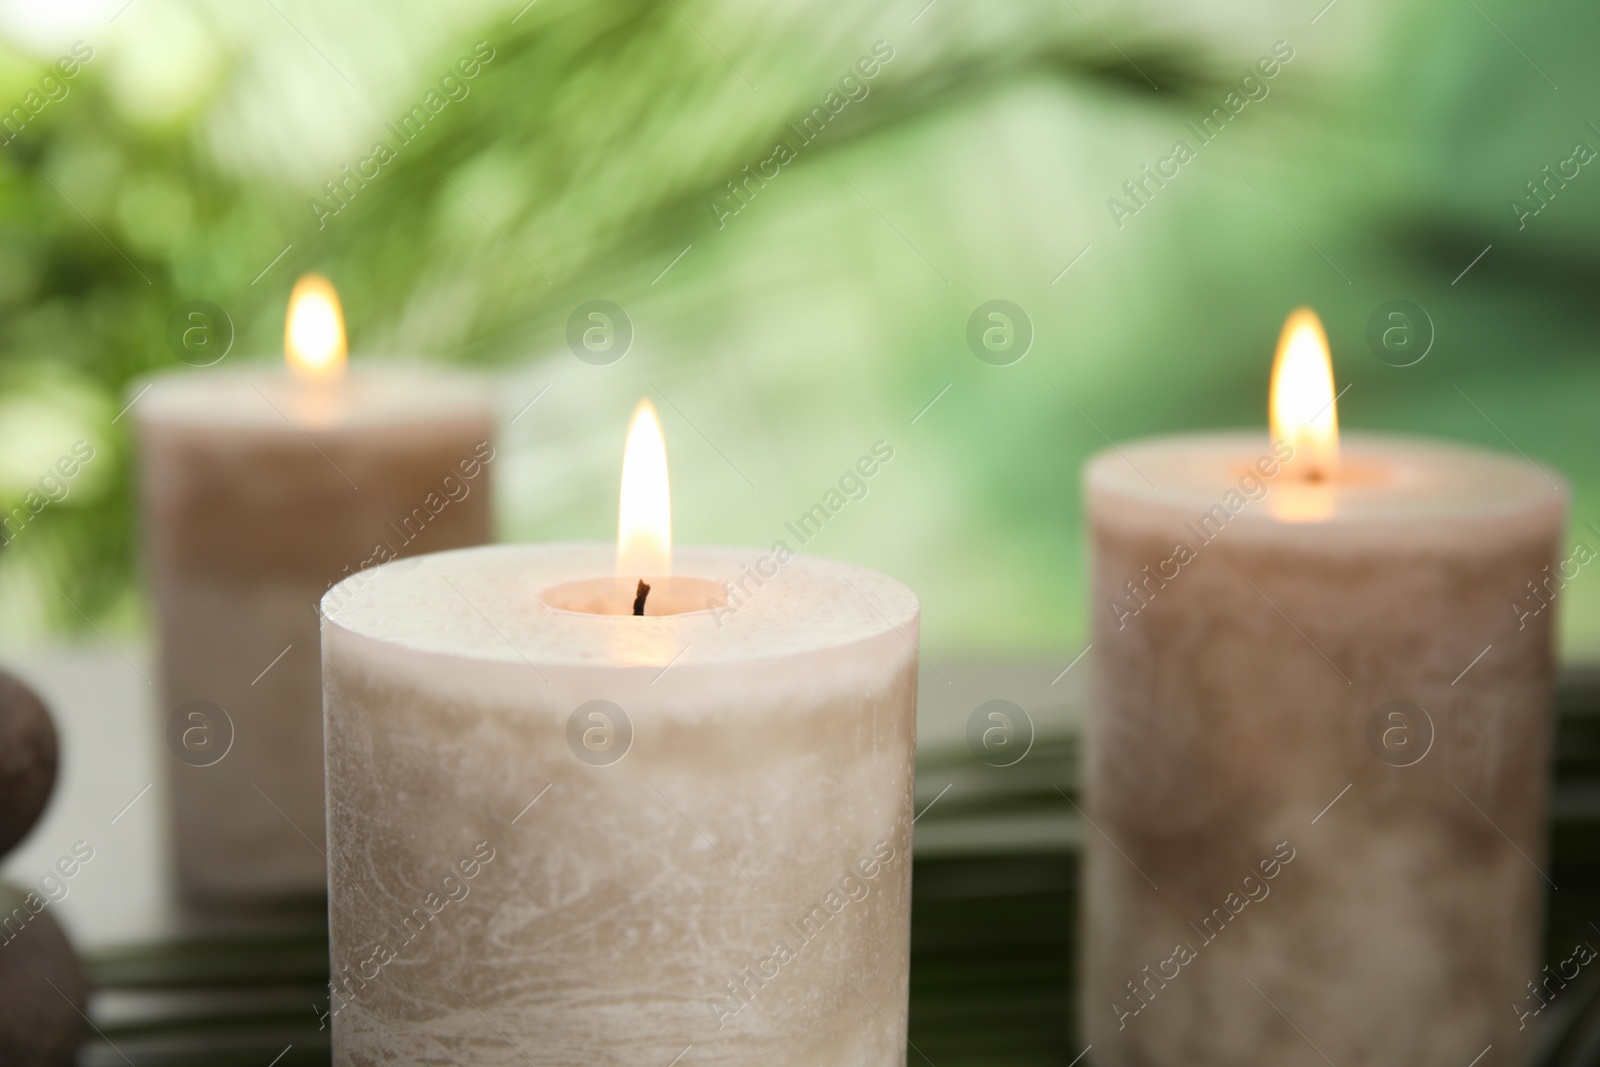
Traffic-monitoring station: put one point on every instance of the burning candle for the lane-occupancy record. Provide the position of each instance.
(260, 491)
(1317, 759)
(580, 810)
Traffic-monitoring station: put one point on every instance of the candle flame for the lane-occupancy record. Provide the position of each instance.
(1304, 410)
(644, 519)
(313, 336)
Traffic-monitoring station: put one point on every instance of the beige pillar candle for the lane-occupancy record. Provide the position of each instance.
(260, 490)
(1317, 761)
(561, 836)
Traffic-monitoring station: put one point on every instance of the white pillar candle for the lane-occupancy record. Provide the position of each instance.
(1283, 866)
(738, 879)
(564, 836)
(259, 491)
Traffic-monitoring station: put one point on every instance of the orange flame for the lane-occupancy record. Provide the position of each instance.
(644, 518)
(1304, 408)
(313, 336)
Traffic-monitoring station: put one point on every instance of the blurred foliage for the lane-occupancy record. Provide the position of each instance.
(780, 342)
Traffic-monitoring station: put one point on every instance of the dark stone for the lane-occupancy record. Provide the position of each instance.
(43, 992)
(28, 757)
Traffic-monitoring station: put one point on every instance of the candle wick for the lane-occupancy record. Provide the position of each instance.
(639, 597)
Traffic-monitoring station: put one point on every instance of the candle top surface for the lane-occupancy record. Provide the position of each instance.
(1381, 480)
(491, 603)
(266, 397)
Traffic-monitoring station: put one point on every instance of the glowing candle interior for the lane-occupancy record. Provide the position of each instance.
(643, 583)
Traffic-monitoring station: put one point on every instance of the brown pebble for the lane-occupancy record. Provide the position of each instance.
(42, 987)
(28, 757)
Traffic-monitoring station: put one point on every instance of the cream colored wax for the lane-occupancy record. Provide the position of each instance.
(258, 493)
(516, 879)
(1284, 867)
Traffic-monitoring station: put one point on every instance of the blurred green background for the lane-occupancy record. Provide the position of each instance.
(584, 161)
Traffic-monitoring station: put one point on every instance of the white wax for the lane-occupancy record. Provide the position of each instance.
(1267, 854)
(738, 880)
(259, 492)
(268, 399)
